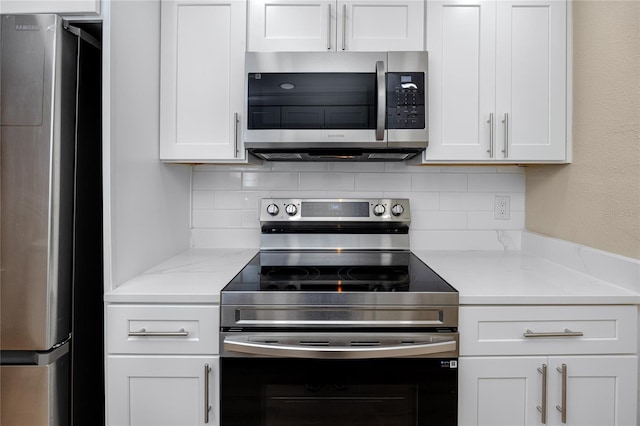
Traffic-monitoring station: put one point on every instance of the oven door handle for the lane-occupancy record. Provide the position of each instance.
(245, 346)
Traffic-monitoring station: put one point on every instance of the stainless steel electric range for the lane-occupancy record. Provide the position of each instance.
(336, 322)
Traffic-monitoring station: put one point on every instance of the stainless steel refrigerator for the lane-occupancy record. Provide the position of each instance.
(51, 276)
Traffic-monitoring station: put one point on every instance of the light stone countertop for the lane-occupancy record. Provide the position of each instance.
(481, 277)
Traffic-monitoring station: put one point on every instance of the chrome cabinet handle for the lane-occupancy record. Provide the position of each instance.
(506, 135)
(382, 100)
(335, 352)
(563, 407)
(490, 121)
(565, 333)
(329, 28)
(207, 407)
(344, 27)
(543, 407)
(236, 120)
(145, 333)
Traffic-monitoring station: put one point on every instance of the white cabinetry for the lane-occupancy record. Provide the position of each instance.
(162, 365)
(201, 83)
(330, 25)
(61, 7)
(577, 367)
(497, 81)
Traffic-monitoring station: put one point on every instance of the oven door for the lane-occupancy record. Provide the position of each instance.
(323, 379)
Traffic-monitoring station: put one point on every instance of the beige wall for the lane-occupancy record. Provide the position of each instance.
(595, 201)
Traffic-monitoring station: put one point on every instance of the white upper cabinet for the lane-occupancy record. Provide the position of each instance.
(202, 86)
(61, 7)
(498, 81)
(330, 25)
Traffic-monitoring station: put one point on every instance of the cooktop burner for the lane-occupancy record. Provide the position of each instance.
(337, 272)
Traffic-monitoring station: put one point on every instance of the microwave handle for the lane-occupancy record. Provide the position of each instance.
(382, 100)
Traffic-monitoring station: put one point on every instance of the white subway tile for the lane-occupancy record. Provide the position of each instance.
(439, 182)
(271, 180)
(468, 169)
(217, 219)
(327, 181)
(486, 220)
(300, 194)
(383, 181)
(467, 201)
(355, 167)
(401, 167)
(217, 180)
(439, 220)
(424, 201)
(250, 219)
(202, 199)
(465, 240)
(511, 169)
(247, 200)
(225, 238)
(285, 166)
(498, 182)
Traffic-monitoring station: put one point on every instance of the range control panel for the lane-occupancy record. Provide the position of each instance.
(406, 100)
(334, 210)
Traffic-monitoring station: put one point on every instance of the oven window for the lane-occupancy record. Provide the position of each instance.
(300, 392)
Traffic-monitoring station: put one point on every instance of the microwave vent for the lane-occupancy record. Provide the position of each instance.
(389, 156)
(281, 156)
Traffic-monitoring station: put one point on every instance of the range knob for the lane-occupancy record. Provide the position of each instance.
(378, 209)
(397, 210)
(272, 209)
(291, 209)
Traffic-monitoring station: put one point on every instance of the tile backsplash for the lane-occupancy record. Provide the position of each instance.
(452, 207)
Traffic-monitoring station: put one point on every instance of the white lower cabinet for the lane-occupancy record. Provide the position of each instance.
(163, 390)
(511, 391)
(162, 365)
(553, 365)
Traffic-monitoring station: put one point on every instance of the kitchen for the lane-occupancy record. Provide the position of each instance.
(154, 211)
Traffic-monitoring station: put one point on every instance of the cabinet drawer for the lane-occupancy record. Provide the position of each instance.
(547, 330)
(162, 329)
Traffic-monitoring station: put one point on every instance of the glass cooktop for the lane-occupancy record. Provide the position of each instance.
(337, 272)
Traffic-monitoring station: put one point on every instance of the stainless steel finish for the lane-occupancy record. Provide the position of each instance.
(506, 135)
(145, 333)
(344, 27)
(565, 333)
(329, 27)
(341, 346)
(31, 394)
(36, 177)
(543, 408)
(344, 241)
(563, 407)
(382, 100)
(316, 313)
(491, 135)
(388, 203)
(207, 406)
(340, 61)
(236, 121)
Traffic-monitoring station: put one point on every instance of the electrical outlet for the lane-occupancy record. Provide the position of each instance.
(502, 207)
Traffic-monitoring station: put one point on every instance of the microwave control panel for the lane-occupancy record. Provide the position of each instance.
(406, 100)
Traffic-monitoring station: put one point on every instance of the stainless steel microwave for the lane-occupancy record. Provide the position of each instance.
(329, 106)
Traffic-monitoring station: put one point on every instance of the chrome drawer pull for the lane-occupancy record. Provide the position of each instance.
(565, 333)
(145, 333)
(207, 407)
(563, 408)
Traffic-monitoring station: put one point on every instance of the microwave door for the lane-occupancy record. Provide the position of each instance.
(381, 92)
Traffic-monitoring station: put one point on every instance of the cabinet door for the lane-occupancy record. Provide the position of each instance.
(599, 390)
(380, 25)
(76, 7)
(461, 46)
(291, 25)
(531, 80)
(202, 85)
(499, 391)
(162, 391)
